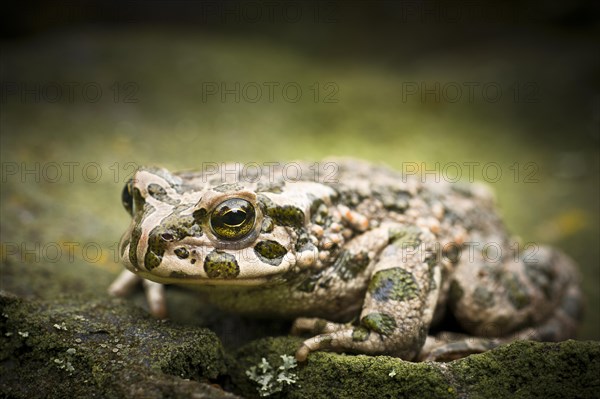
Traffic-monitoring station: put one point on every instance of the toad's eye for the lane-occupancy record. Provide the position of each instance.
(232, 219)
(127, 197)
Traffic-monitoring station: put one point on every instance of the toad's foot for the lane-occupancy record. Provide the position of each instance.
(305, 325)
(155, 292)
(446, 347)
(343, 339)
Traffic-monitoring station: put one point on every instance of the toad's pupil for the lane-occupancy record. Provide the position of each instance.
(234, 217)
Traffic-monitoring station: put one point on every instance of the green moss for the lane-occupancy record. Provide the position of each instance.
(528, 369)
(331, 375)
(78, 346)
(522, 369)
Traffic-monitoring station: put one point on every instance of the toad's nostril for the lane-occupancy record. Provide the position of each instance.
(167, 236)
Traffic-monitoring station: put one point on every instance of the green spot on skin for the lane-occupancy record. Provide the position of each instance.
(182, 253)
(406, 237)
(360, 334)
(152, 260)
(393, 284)
(516, 291)
(156, 248)
(456, 292)
(542, 276)
(286, 215)
(171, 230)
(325, 340)
(218, 264)
(270, 252)
(158, 192)
(382, 323)
(348, 265)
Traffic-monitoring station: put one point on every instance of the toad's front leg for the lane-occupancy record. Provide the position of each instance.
(398, 306)
(155, 292)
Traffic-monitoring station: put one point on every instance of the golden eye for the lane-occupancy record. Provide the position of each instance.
(232, 219)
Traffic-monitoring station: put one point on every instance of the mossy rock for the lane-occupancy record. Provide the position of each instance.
(522, 369)
(102, 348)
(85, 347)
(526, 369)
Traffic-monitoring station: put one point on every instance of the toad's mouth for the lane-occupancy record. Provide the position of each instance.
(195, 280)
(209, 266)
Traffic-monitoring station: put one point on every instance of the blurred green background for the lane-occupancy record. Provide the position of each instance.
(89, 90)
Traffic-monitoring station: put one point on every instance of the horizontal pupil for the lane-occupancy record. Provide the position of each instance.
(234, 217)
